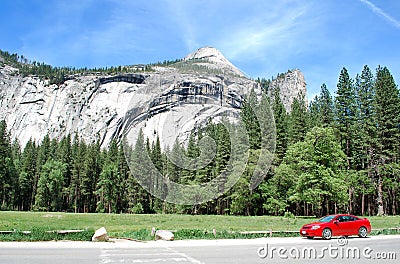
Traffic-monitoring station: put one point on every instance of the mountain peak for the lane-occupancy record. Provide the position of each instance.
(210, 53)
(213, 56)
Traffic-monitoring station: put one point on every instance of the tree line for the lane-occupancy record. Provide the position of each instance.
(338, 154)
(58, 75)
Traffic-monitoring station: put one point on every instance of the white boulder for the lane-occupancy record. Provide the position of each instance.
(100, 235)
(164, 235)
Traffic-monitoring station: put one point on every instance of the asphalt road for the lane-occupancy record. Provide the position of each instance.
(380, 249)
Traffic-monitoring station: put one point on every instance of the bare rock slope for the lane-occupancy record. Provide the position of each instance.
(168, 101)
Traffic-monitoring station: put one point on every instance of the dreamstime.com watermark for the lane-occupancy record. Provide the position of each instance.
(173, 112)
(339, 251)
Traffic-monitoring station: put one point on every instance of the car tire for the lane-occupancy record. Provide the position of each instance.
(326, 233)
(362, 232)
(310, 237)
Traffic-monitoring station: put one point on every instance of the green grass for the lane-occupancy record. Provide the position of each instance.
(139, 226)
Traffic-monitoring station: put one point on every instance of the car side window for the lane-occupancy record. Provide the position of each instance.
(345, 218)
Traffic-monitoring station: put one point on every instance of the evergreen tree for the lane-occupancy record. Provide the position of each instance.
(8, 173)
(136, 195)
(326, 107)
(321, 109)
(207, 161)
(346, 125)
(174, 169)
(281, 124)
(141, 168)
(124, 172)
(27, 175)
(192, 153)
(223, 154)
(50, 186)
(345, 107)
(107, 188)
(91, 169)
(387, 112)
(314, 112)
(43, 155)
(63, 154)
(78, 152)
(297, 121)
(387, 103)
(249, 119)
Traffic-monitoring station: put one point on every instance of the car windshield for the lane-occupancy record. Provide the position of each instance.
(326, 219)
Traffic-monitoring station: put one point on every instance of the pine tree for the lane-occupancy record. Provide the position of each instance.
(249, 119)
(346, 117)
(192, 153)
(107, 188)
(387, 111)
(123, 170)
(326, 106)
(321, 109)
(50, 186)
(314, 113)
(345, 107)
(91, 169)
(78, 152)
(27, 175)
(297, 121)
(366, 132)
(43, 155)
(207, 162)
(136, 195)
(140, 163)
(63, 154)
(175, 167)
(281, 124)
(265, 154)
(8, 172)
(387, 103)
(223, 155)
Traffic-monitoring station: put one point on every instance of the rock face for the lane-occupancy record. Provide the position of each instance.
(291, 85)
(167, 102)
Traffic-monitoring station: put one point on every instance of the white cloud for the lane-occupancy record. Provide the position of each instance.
(182, 13)
(381, 13)
(279, 30)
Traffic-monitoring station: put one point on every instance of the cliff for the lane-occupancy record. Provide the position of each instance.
(168, 101)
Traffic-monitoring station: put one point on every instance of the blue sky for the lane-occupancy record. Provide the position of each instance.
(261, 37)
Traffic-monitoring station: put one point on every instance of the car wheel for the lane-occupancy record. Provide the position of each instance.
(310, 237)
(362, 232)
(327, 233)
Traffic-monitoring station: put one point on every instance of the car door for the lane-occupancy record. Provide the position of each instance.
(337, 226)
(354, 225)
(343, 225)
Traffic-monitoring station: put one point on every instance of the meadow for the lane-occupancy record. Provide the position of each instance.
(138, 226)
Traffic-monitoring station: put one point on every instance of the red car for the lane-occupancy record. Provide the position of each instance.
(337, 225)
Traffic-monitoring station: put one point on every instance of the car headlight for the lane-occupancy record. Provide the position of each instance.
(315, 227)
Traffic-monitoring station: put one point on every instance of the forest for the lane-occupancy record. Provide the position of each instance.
(336, 154)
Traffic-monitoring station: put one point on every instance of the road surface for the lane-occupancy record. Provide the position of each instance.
(377, 249)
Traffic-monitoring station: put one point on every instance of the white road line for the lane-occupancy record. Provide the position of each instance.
(115, 256)
(157, 260)
(189, 258)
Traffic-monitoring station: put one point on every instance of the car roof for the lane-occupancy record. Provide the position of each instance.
(341, 215)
